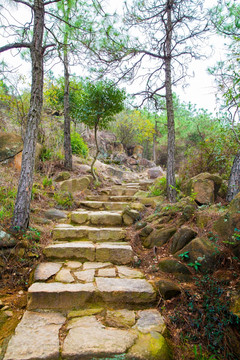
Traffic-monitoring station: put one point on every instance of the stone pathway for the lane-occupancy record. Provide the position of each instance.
(87, 302)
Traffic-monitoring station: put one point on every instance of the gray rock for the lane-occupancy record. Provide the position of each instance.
(145, 231)
(90, 340)
(159, 237)
(181, 238)
(155, 172)
(120, 318)
(168, 289)
(10, 145)
(201, 250)
(6, 241)
(133, 291)
(64, 175)
(173, 266)
(64, 276)
(150, 320)
(46, 270)
(36, 337)
(55, 214)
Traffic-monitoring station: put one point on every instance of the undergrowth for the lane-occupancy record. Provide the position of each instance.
(206, 318)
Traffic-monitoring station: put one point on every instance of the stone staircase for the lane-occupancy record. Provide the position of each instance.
(87, 301)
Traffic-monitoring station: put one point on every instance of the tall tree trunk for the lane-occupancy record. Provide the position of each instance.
(22, 206)
(67, 120)
(234, 180)
(155, 143)
(96, 154)
(171, 181)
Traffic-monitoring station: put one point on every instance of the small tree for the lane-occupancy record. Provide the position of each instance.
(225, 18)
(100, 101)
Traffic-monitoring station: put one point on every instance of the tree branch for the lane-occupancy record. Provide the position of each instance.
(15, 46)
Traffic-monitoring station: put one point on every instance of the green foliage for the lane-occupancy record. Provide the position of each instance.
(54, 95)
(196, 265)
(100, 101)
(225, 18)
(134, 127)
(198, 353)
(184, 256)
(214, 153)
(159, 188)
(46, 182)
(208, 318)
(79, 147)
(7, 202)
(64, 199)
(46, 154)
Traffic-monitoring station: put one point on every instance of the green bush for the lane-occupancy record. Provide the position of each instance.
(79, 147)
(7, 201)
(64, 200)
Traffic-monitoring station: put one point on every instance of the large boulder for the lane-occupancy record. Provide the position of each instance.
(167, 288)
(155, 172)
(173, 266)
(201, 251)
(159, 237)
(181, 238)
(205, 186)
(10, 145)
(77, 184)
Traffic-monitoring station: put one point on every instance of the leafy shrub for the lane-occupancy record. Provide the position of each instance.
(64, 200)
(159, 188)
(46, 182)
(46, 154)
(7, 201)
(79, 147)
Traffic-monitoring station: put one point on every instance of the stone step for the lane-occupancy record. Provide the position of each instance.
(69, 232)
(109, 198)
(102, 205)
(120, 191)
(116, 253)
(106, 218)
(62, 296)
(117, 334)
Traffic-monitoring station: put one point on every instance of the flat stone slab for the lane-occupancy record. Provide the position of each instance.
(150, 320)
(106, 218)
(36, 337)
(115, 253)
(89, 339)
(107, 272)
(46, 270)
(64, 276)
(126, 272)
(100, 205)
(131, 291)
(85, 275)
(72, 250)
(95, 265)
(89, 233)
(59, 296)
(122, 318)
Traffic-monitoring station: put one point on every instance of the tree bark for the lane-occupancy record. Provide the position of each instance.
(171, 181)
(67, 119)
(96, 154)
(22, 206)
(234, 180)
